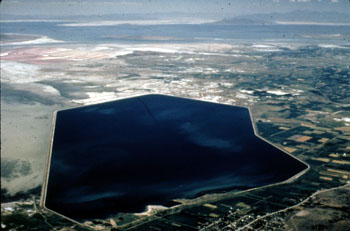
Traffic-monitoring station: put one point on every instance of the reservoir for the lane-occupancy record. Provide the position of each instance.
(120, 156)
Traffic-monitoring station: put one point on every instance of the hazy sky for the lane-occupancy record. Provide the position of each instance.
(195, 7)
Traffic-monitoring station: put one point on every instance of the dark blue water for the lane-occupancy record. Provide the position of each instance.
(186, 33)
(124, 155)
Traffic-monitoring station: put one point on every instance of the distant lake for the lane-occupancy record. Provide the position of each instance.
(181, 33)
(123, 155)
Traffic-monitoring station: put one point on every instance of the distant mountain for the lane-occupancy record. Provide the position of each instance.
(294, 16)
(126, 16)
(79, 17)
(252, 19)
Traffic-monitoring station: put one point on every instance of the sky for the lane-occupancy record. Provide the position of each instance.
(217, 8)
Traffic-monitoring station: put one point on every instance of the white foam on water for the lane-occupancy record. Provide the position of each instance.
(41, 40)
